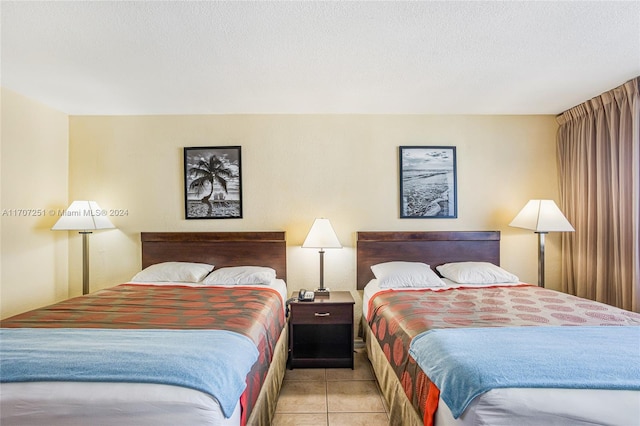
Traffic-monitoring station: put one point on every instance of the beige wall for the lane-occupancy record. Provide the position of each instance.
(295, 168)
(299, 167)
(34, 182)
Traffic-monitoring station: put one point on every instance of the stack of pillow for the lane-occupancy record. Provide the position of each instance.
(205, 274)
(400, 275)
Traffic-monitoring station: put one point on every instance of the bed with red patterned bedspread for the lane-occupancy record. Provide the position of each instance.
(407, 389)
(395, 317)
(255, 312)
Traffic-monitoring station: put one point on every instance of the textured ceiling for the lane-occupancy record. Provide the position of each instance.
(187, 57)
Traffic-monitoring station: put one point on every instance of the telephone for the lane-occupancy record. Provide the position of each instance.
(305, 296)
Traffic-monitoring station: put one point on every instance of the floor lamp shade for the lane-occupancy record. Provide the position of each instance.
(541, 217)
(85, 217)
(321, 236)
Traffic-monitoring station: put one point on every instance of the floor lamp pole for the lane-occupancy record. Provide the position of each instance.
(541, 258)
(85, 261)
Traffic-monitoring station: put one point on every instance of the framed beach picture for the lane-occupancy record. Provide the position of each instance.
(428, 186)
(213, 184)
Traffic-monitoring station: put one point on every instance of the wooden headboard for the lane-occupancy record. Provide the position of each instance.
(432, 248)
(221, 249)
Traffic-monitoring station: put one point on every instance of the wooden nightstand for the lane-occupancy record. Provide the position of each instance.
(321, 332)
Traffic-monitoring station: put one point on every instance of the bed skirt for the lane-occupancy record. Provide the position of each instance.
(401, 411)
(265, 406)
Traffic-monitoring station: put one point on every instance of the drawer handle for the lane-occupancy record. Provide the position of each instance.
(322, 314)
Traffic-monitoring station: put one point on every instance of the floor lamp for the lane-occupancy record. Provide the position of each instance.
(542, 217)
(321, 236)
(85, 217)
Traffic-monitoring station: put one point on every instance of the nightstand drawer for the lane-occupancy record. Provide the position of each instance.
(321, 314)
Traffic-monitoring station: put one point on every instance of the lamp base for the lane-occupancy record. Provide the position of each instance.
(322, 293)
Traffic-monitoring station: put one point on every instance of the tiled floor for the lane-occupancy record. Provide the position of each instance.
(331, 397)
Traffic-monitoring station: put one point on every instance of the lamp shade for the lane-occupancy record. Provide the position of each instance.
(83, 216)
(542, 216)
(321, 235)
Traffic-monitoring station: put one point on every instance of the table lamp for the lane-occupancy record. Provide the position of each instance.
(322, 236)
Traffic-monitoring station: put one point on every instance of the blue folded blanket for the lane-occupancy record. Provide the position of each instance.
(211, 361)
(463, 363)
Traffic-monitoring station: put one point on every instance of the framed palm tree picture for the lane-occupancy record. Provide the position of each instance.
(213, 184)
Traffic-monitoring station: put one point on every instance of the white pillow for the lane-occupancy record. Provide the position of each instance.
(185, 272)
(406, 275)
(241, 275)
(476, 273)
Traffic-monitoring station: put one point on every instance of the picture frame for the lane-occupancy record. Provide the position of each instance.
(213, 182)
(428, 182)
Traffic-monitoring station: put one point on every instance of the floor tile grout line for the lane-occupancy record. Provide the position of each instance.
(326, 395)
(325, 377)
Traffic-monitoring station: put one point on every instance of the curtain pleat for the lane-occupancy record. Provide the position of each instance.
(598, 155)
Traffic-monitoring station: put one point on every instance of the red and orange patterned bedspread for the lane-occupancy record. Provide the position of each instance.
(396, 317)
(257, 313)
